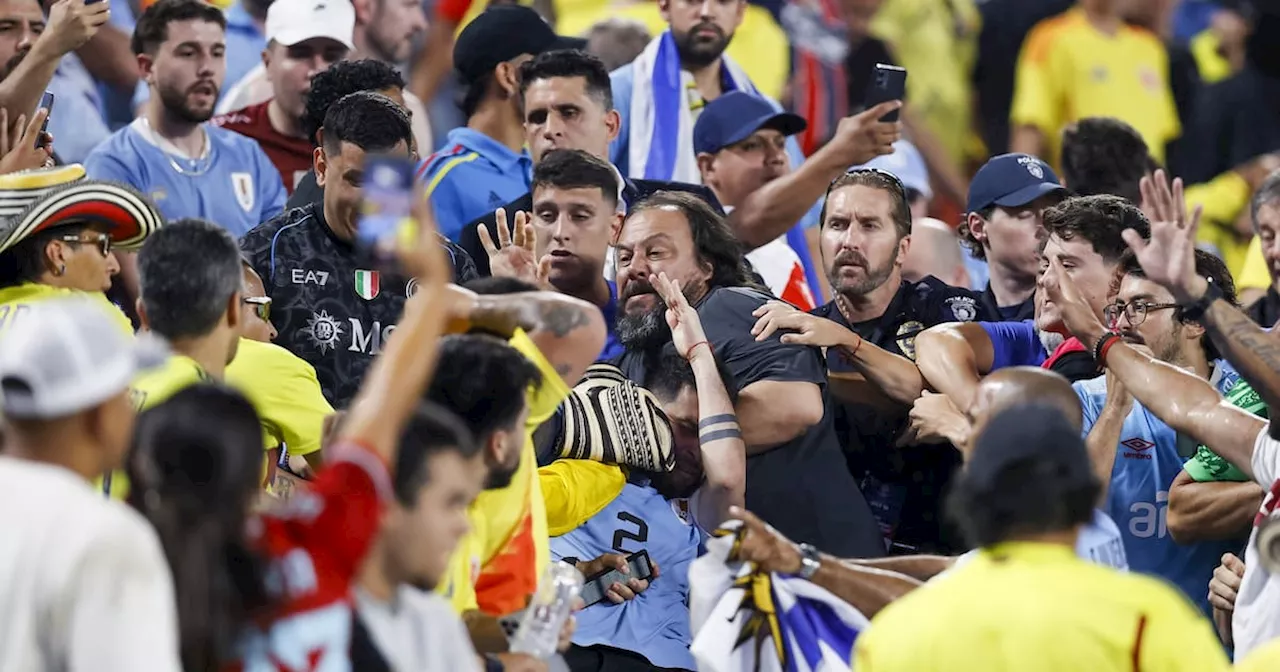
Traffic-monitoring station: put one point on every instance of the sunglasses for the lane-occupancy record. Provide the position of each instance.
(895, 183)
(261, 306)
(102, 240)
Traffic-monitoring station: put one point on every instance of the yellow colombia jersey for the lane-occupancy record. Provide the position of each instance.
(498, 564)
(13, 300)
(1254, 275)
(281, 387)
(1027, 606)
(1069, 70)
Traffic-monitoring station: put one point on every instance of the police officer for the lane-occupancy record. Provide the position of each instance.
(1006, 199)
(864, 237)
(332, 305)
(484, 165)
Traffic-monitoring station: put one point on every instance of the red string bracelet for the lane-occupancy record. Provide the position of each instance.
(688, 354)
(1102, 352)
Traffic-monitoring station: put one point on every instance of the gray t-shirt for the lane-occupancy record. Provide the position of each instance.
(417, 631)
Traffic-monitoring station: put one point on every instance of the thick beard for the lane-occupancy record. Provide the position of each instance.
(500, 477)
(696, 55)
(175, 102)
(645, 331)
(1051, 341)
(875, 277)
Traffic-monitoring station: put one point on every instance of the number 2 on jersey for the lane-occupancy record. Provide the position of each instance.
(623, 533)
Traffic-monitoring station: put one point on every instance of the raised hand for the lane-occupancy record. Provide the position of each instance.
(803, 328)
(686, 326)
(1169, 257)
(72, 23)
(18, 138)
(513, 255)
(1077, 315)
(863, 136)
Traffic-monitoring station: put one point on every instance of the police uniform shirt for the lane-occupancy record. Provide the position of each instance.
(332, 306)
(802, 487)
(1018, 312)
(904, 486)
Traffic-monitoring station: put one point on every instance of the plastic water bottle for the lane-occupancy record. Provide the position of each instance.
(539, 630)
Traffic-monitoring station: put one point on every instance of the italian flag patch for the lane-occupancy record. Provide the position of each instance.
(367, 284)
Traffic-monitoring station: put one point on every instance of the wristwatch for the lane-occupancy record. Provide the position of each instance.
(810, 561)
(1195, 310)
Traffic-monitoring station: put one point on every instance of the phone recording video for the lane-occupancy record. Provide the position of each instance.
(888, 82)
(386, 221)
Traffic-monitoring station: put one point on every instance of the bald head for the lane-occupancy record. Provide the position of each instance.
(935, 250)
(1024, 385)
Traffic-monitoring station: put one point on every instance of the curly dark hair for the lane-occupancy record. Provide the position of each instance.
(1103, 155)
(1099, 220)
(343, 79)
(1208, 266)
(713, 240)
(966, 236)
(368, 120)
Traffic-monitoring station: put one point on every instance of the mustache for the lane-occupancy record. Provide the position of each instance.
(639, 288)
(850, 259)
(205, 84)
(1132, 337)
(707, 25)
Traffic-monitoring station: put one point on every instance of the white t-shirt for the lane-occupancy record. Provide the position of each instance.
(1257, 616)
(417, 631)
(83, 581)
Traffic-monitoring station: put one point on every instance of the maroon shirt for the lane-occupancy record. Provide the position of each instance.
(290, 156)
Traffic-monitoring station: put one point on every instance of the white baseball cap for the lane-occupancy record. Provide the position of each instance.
(292, 21)
(62, 356)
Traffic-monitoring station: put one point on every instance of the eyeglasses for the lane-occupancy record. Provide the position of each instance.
(261, 306)
(1135, 311)
(102, 240)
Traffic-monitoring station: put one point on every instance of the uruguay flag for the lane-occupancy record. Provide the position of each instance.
(744, 620)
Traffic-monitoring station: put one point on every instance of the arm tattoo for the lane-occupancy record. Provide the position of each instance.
(726, 433)
(560, 319)
(717, 419)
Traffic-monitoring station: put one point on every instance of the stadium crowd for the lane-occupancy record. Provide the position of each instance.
(791, 366)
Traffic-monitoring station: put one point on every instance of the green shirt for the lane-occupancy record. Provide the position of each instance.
(1207, 465)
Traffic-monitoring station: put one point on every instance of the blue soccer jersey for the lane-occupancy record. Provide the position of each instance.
(234, 184)
(656, 623)
(1147, 460)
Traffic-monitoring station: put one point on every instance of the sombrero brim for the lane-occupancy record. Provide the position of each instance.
(128, 216)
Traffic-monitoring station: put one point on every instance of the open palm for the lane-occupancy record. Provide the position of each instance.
(1168, 258)
(686, 326)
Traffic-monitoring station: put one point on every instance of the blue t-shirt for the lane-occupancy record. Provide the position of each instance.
(1147, 461)
(234, 185)
(656, 623)
(471, 176)
(612, 346)
(1014, 344)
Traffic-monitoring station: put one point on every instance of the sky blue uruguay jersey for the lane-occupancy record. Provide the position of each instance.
(656, 623)
(1147, 460)
(234, 186)
(471, 176)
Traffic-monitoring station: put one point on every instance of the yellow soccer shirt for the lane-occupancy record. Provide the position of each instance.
(1028, 606)
(14, 300)
(1254, 275)
(1069, 70)
(497, 565)
(284, 390)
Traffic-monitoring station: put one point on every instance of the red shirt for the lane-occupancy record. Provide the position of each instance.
(290, 156)
(315, 543)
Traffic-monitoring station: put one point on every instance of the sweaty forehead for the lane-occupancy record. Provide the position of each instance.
(859, 200)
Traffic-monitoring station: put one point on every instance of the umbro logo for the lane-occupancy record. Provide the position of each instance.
(1136, 448)
(495, 200)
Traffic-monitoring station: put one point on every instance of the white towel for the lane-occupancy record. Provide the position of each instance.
(743, 620)
(661, 124)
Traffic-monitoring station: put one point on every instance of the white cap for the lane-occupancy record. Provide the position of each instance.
(292, 21)
(62, 356)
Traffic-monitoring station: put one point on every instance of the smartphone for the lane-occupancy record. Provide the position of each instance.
(46, 103)
(386, 222)
(888, 82)
(594, 588)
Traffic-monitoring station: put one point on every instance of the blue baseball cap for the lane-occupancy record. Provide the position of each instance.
(1011, 180)
(733, 117)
